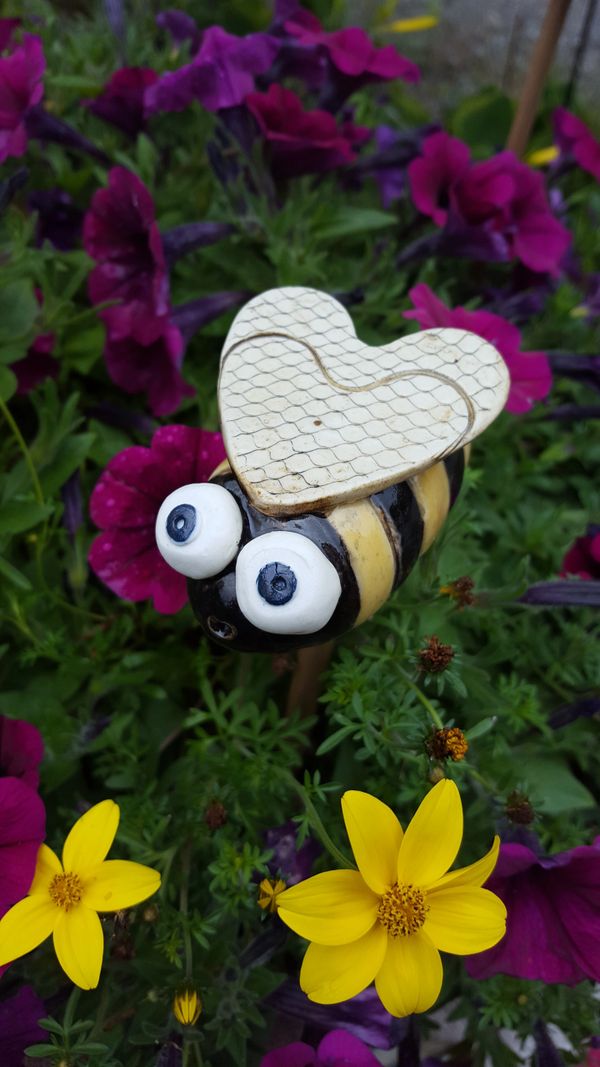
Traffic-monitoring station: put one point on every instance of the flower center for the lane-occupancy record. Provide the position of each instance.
(66, 890)
(402, 910)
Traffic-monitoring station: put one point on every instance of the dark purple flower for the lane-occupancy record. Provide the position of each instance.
(153, 367)
(394, 150)
(126, 501)
(121, 102)
(180, 240)
(59, 220)
(37, 365)
(21, 89)
(21, 751)
(190, 317)
(583, 557)
(300, 142)
(500, 195)
(577, 141)
(592, 295)
(291, 863)
(337, 1049)
(70, 492)
(48, 128)
(584, 708)
(553, 926)
(181, 26)
(363, 1015)
(567, 593)
(220, 75)
(19, 1025)
(7, 28)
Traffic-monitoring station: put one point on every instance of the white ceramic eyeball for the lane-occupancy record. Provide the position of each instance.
(198, 529)
(285, 585)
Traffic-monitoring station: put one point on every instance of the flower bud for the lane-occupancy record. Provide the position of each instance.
(268, 891)
(187, 1005)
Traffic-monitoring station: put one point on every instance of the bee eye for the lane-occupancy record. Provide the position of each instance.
(198, 529)
(285, 585)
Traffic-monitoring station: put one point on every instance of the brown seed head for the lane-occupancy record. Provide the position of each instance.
(215, 815)
(461, 591)
(449, 743)
(519, 809)
(436, 656)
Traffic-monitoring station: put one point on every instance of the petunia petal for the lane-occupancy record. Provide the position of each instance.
(331, 908)
(333, 973)
(47, 866)
(433, 836)
(375, 836)
(464, 920)
(90, 839)
(119, 884)
(25, 926)
(411, 975)
(79, 946)
(476, 874)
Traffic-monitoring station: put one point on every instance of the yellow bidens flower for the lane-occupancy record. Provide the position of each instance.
(65, 897)
(187, 1005)
(420, 22)
(388, 920)
(541, 157)
(268, 892)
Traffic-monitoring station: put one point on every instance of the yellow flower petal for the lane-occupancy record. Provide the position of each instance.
(119, 884)
(476, 874)
(411, 975)
(331, 908)
(91, 837)
(463, 919)
(25, 926)
(542, 156)
(433, 836)
(79, 946)
(332, 973)
(420, 22)
(375, 836)
(47, 866)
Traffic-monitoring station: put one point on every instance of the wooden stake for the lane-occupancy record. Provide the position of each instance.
(307, 680)
(535, 78)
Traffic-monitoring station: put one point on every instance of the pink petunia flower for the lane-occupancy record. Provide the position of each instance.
(574, 138)
(21, 751)
(553, 927)
(22, 830)
(126, 501)
(301, 142)
(583, 557)
(530, 374)
(21, 89)
(153, 368)
(502, 196)
(337, 1049)
(121, 102)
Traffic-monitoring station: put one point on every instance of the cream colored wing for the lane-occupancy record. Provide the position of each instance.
(312, 416)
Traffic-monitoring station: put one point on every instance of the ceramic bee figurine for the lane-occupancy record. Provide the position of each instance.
(343, 462)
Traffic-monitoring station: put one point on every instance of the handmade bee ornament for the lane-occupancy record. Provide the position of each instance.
(343, 462)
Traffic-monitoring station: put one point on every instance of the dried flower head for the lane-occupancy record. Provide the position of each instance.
(449, 743)
(436, 656)
(519, 808)
(215, 815)
(460, 590)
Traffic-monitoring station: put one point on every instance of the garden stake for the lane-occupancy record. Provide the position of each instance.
(535, 78)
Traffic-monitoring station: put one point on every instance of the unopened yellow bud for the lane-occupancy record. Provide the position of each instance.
(187, 1005)
(268, 891)
(541, 157)
(421, 22)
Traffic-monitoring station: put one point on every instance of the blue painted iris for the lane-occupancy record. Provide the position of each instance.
(181, 523)
(276, 583)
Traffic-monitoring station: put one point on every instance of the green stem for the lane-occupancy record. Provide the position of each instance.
(185, 1059)
(431, 711)
(317, 825)
(186, 866)
(18, 436)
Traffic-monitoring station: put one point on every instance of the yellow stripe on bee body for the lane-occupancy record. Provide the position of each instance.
(370, 552)
(223, 468)
(432, 493)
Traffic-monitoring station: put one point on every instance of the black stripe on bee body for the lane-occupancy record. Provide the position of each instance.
(214, 600)
(455, 469)
(401, 516)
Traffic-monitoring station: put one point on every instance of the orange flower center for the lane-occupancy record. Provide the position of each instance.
(66, 890)
(402, 910)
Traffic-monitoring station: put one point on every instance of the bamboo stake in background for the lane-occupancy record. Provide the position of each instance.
(535, 78)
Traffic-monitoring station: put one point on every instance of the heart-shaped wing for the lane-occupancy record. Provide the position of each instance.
(311, 416)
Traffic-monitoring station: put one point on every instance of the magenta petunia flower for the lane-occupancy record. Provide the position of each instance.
(583, 557)
(153, 368)
(300, 142)
(337, 1049)
(121, 102)
(37, 365)
(22, 830)
(553, 926)
(21, 89)
(220, 75)
(19, 1025)
(502, 196)
(121, 235)
(575, 139)
(530, 374)
(21, 751)
(7, 29)
(126, 501)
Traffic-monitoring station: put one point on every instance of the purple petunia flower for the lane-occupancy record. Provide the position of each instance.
(21, 751)
(21, 88)
(337, 1049)
(126, 501)
(181, 26)
(530, 375)
(364, 1016)
(500, 196)
(291, 863)
(121, 102)
(19, 1025)
(220, 75)
(7, 29)
(553, 926)
(152, 367)
(583, 557)
(59, 220)
(577, 141)
(22, 830)
(300, 142)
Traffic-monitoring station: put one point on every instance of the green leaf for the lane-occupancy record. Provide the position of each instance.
(17, 516)
(481, 728)
(551, 780)
(8, 383)
(69, 457)
(18, 311)
(13, 575)
(344, 221)
(483, 120)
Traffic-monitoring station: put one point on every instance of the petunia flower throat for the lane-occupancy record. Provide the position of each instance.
(387, 921)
